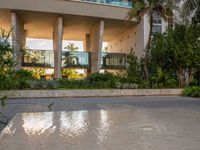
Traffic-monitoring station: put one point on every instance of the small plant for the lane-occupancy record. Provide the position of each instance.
(134, 67)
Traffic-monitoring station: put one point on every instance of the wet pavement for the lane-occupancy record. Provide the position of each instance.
(120, 123)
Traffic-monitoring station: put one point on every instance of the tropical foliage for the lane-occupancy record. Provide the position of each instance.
(134, 68)
(178, 52)
(196, 17)
(6, 60)
(189, 7)
(71, 47)
(69, 58)
(140, 8)
(6, 53)
(174, 59)
(193, 91)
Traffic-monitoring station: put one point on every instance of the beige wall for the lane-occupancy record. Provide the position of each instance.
(135, 37)
(124, 42)
(131, 38)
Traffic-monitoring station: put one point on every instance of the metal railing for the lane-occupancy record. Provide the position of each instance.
(113, 61)
(121, 3)
(76, 59)
(38, 58)
(45, 58)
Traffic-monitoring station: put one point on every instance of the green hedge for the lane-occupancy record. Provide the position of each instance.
(193, 91)
(24, 80)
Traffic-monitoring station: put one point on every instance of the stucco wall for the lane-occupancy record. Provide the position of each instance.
(124, 42)
(135, 37)
(131, 38)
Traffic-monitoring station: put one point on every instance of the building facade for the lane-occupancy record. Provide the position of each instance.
(90, 21)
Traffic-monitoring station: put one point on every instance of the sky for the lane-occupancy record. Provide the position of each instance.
(45, 44)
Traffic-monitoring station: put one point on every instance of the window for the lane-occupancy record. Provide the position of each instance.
(157, 24)
(157, 29)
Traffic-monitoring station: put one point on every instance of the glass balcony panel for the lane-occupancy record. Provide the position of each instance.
(113, 61)
(45, 58)
(76, 59)
(38, 58)
(121, 3)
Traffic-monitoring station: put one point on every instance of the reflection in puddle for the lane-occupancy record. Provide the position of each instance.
(9, 130)
(38, 123)
(73, 123)
(104, 126)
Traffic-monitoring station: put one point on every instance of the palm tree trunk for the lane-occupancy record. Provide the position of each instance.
(147, 50)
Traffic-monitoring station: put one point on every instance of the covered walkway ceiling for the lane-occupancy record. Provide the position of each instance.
(40, 25)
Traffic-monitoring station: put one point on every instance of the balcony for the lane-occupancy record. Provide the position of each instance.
(76, 59)
(38, 58)
(113, 61)
(119, 3)
(79, 60)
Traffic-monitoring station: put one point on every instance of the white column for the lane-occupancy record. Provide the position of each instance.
(87, 49)
(96, 42)
(57, 46)
(18, 38)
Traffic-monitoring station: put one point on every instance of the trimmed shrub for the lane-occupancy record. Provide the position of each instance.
(102, 80)
(96, 77)
(193, 91)
(120, 85)
(72, 83)
(43, 84)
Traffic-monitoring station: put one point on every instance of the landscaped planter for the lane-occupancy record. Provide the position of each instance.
(90, 93)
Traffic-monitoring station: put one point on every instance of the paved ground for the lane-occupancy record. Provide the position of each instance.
(128, 123)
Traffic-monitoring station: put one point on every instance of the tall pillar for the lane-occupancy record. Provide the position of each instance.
(96, 42)
(87, 42)
(18, 38)
(57, 46)
(87, 49)
(24, 39)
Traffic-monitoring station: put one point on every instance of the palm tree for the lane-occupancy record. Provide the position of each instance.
(189, 7)
(69, 58)
(71, 47)
(163, 8)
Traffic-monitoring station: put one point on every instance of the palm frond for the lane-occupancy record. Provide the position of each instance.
(189, 7)
(137, 9)
(150, 7)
